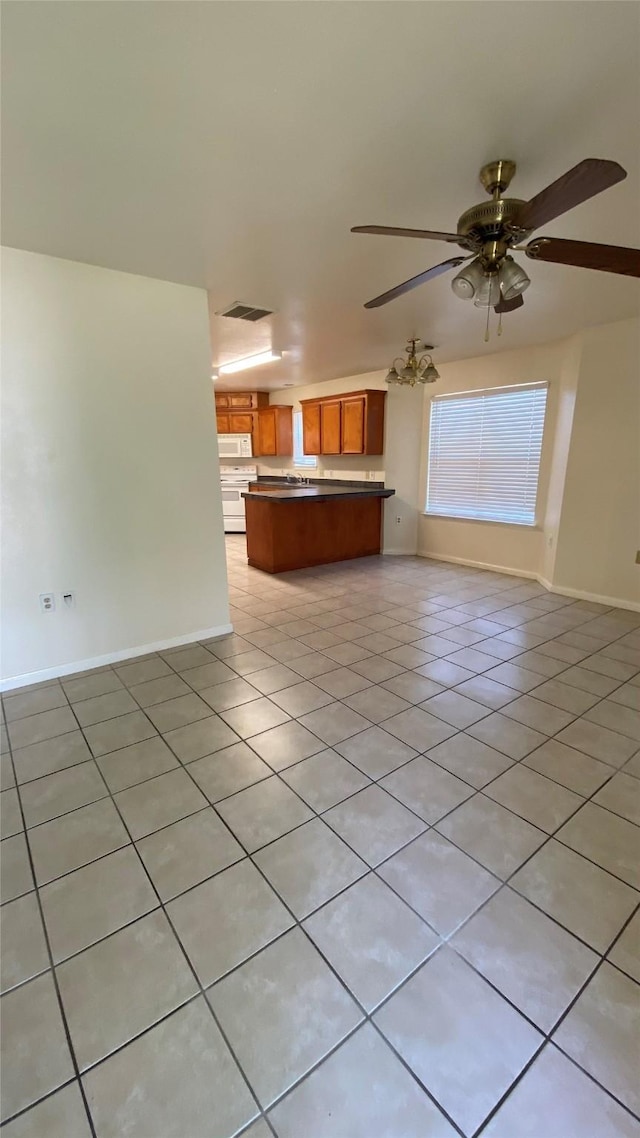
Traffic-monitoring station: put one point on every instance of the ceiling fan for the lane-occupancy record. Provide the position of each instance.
(490, 230)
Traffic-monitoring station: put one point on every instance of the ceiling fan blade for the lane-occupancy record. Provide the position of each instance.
(509, 305)
(421, 278)
(586, 255)
(579, 184)
(389, 231)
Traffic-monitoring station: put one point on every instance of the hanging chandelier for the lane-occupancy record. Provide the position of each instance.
(413, 370)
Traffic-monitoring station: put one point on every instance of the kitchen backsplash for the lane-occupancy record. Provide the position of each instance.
(332, 472)
(359, 468)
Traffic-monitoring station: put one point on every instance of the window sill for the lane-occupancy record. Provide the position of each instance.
(482, 521)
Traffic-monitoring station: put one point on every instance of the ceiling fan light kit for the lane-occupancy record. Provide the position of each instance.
(487, 288)
(413, 370)
(490, 230)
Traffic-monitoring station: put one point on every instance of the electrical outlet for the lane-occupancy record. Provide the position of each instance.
(47, 602)
(398, 519)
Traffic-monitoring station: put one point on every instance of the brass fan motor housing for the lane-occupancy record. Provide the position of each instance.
(492, 226)
(491, 221)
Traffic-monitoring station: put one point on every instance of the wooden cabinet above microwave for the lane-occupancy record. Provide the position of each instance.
(249, 413)
(241, 400)
(352, 423)
(236, 411)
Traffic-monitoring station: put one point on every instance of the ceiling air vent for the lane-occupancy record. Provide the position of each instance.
(240, 311)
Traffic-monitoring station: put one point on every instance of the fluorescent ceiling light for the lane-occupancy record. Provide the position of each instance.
(249, 361)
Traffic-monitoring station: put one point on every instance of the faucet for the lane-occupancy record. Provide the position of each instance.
(298, 479)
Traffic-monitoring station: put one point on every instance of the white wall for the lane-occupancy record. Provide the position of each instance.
(599, 531)
(588, 524)
(399, 466)
(518, 548)
(109, 466)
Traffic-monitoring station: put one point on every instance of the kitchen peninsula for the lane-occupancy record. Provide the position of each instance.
(294, 527)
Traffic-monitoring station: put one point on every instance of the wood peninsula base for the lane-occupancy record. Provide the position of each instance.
(296, 534)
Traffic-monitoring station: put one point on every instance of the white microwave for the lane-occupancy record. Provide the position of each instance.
(234, 446)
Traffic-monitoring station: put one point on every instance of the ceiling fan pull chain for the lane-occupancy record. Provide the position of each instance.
(486, 331)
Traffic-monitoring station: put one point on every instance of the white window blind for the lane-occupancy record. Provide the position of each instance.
(484, 453)
(299, 457)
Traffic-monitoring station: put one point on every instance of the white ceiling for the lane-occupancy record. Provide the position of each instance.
(232, 145)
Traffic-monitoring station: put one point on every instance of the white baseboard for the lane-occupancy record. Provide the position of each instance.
(54, 673)
(595, 598)
(561, 591)
(480, 565)
(400, 552)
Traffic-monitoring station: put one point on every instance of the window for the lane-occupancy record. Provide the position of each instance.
(484, 453)
(299, 458)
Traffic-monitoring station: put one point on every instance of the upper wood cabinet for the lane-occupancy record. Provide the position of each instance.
(311, 428)
(274, 432)
(352, 423)
(241, 400)
(331, 427)
(236, 411)
(240, 423)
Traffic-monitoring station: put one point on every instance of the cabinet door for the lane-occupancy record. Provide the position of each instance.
(240, 424)
(330, 434)
(266, 441)
(222, 421)
(311, 428)
(222, 400)
(240, 399)
(353, 411)
(284, 430)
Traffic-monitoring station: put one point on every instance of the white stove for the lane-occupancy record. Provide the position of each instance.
(234, 480)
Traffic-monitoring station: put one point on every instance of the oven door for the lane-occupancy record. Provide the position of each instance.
(233, 509)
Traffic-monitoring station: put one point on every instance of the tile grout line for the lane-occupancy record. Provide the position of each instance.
(51, 969)
(200, 990)
(297, 924)
(474, 790)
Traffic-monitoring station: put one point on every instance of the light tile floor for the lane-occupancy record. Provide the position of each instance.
(368, 868)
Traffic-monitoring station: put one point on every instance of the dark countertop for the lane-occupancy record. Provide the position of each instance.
(318, 493)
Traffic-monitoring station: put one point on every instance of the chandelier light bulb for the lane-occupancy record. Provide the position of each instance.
(414, 369)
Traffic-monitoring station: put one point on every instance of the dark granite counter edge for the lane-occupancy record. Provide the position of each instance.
(289, 495)
(358, 483)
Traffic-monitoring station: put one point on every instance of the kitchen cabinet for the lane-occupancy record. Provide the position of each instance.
(352, 423)
(241, 400)
(353, 427)
(330, 427)
(311, 428)
(236, 411)
(274, 431)
(234, 423)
